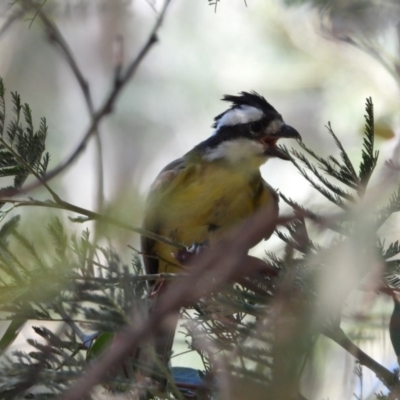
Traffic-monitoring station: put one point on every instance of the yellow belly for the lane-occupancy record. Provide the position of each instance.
(204, 203)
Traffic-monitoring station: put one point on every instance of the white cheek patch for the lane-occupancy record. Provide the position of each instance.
(274, 126)
(240, 115)
(234, 150)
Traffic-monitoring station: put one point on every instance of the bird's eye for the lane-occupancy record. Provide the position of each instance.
(256, 127)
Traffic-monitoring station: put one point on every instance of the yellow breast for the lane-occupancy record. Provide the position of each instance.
(203, 202)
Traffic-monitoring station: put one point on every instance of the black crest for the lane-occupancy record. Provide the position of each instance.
(252, 99)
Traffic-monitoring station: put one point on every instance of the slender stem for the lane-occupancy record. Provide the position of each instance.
(29, 168)
(56, 37)
(109, 102)
(213, 269)
(10, 20)
(91, 215)
(339, 337)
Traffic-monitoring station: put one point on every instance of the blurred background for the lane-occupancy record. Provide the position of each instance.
(314, 61)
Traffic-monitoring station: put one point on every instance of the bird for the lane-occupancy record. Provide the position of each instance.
(210, 190)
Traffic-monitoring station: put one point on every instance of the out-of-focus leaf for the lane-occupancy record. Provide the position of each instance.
(384, 129)
(11, 333)
(99, 346)
(11, 293)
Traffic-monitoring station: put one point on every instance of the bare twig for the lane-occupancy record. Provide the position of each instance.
(338, 336)
(10, 20)
(109, 102)
(118, 49)
(56, 37)
(91, 215)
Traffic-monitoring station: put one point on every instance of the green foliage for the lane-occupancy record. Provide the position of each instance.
(341, 169)
(259, 331)
(62, 288)
(369, 156)
(347, 226)
(22, 147)
(99, 346)
(386, 211)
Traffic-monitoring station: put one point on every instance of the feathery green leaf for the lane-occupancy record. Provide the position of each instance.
(369, 156)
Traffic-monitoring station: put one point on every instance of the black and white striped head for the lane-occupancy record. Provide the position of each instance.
(251, 123)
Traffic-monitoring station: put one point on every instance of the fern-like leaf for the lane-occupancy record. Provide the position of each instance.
(391, 251)
(393, 206)
(57, 232)
(369, 156)
(332, 166)
(346, 168)
(332, 197)
(22, 150)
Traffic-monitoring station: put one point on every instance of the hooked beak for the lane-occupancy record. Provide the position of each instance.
(286, 132)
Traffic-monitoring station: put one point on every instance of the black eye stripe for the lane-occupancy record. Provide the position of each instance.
(256, 126)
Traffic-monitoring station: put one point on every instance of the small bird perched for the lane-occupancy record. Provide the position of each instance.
(213, 188)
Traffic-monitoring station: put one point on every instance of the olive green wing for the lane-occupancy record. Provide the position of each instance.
(152, 217)
(275, 207)
(268, 197)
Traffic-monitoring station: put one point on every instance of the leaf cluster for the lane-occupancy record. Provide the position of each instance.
(64, 290)
(260, 331)
(22, 147)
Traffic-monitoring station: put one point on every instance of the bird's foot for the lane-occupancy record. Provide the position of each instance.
(184, 256)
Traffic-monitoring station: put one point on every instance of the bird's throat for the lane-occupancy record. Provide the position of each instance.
(240, 152)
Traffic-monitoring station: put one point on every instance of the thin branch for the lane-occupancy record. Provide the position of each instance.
(109, 103)
(10, 20)
(37, 12)
(132, 278)
(307, 213)
(104, 110)
(56, 38)
(213, 269)
(346, 160)
(377, 54)
(338, 336)
(334, 198)
(91, 215)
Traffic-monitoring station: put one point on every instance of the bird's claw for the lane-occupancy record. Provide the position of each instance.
(184, 256)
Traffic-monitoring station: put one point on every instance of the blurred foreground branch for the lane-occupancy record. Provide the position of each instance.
(253, 324)
(213, 269)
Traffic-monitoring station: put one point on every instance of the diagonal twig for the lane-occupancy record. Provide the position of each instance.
(105, 109)
(109, 102)
(338, 336)
(213, 269)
